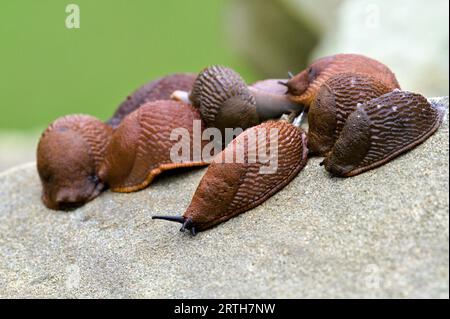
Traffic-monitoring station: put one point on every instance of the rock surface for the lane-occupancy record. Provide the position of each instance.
(384, 233)
(17, 148)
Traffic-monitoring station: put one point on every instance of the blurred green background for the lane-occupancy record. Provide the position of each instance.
(47, 70)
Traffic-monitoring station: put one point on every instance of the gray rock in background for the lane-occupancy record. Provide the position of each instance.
(270, 36)
(411, 37)
(381, 234)
(320, 14)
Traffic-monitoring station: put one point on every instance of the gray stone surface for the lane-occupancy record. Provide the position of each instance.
(17, 147)
(384, 233)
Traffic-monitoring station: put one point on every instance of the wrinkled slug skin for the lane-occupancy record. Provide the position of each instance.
(335, 100)
(140, 146)
(159, 89)
(223, 99)
(69, 155)
(303, 87)
(381, 129)
(229, 189)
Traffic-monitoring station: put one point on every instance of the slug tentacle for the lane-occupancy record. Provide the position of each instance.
(187, 222)
(159, 89)
(303, 87)
(177, 219)
(69, 156)
(231, 188)
(381, 129)
(141, 146)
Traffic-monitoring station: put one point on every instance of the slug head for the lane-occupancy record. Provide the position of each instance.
(335, 100)
(187, 223)
(300, 85)
(121, 152)
(352, 145)
(237, 181)
(67, 167)
(322, 122)
(223, 99)
(236, 112)
(380, 130)
(303, 87)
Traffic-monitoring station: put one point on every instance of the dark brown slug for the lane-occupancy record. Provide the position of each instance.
(159, 89)
(69, 155)
(140, 148)
(228, 189)
(335, 100)
(225, 101)
(303, 87)
(381, 129)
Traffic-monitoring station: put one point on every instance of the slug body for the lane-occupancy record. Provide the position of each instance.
(69, 156)
(335, 100)
(381, 129)
(159, 89)
(271, 99)
(225, 101)
(303, 87)
(141, 146)
(228, 189)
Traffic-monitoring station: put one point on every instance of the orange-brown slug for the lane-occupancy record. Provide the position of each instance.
(69, 155)
(140, 148)
(303, 87)
(380, 130)
(225, 101)
(230, 188)
(335, 100)
(159, 89)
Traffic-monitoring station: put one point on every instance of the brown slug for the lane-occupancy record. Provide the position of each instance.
(335, 100)
(159, 89)
(69, 155)
(381, 129)
(303, 87)
(231, 188)
(225, 101)
(140, 148)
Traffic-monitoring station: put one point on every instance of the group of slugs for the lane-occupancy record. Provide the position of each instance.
(358, 119)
